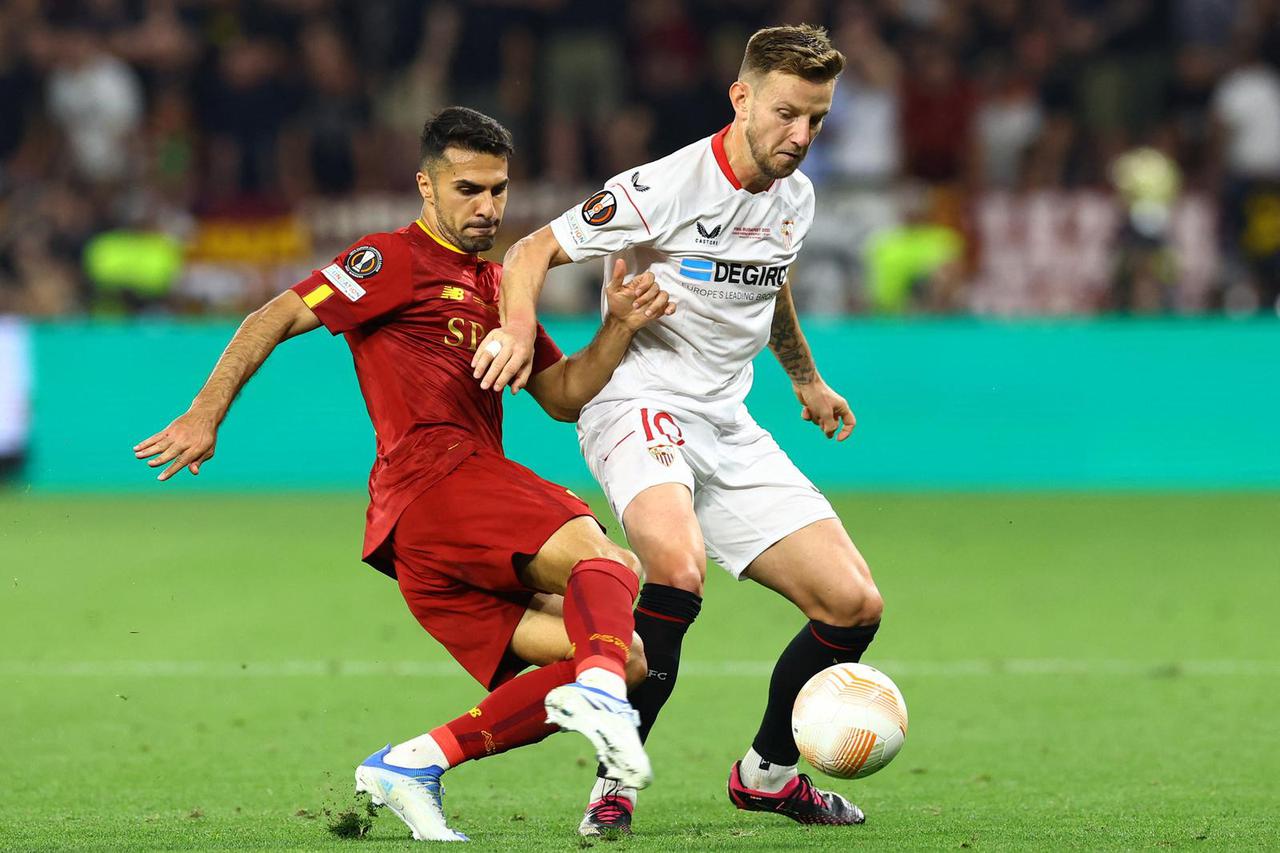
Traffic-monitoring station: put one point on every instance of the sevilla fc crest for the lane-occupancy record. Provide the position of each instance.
(664, 453)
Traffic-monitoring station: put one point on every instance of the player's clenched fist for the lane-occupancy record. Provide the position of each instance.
(637, 302)
(505, 357)
(187, 442)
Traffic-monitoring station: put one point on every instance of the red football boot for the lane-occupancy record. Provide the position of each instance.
(799, 800)
(609, 815)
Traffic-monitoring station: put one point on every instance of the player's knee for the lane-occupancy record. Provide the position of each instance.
(632, 562)
(676, 567)
(686, 576)
(872, 607)
(856, 602)
(607, 549)
(637, 663)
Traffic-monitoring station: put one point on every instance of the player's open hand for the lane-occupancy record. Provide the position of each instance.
(825, 408)
(638, 301)
(186, 443)
(504, 357)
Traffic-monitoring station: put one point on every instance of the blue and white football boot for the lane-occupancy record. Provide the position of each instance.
(609, 723)
(413, 795)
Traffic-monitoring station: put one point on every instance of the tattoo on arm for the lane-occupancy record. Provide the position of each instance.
(788, 343)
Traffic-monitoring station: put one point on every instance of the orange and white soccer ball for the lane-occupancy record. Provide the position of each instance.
(849, 720)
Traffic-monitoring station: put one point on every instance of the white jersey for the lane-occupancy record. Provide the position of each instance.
(720, 251)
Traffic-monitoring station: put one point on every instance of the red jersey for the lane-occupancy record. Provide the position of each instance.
(413, 309)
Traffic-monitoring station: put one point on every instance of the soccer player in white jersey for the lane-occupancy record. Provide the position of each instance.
(684, 465)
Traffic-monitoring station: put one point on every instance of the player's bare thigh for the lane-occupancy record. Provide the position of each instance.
(540, 638)
(820, 570)
(663, 530)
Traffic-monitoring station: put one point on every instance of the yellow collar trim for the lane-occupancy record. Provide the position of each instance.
(440, 240)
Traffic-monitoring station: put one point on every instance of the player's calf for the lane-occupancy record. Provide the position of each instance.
(599, 581)
(598, 619)
(769, 766)
(663, 614)
(637, 669)
(843, 620)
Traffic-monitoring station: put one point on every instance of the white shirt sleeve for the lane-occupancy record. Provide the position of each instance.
(609, 221)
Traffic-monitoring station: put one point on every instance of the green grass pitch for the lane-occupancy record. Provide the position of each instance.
(1082, 672)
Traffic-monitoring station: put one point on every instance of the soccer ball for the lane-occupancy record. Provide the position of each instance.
(849, 720)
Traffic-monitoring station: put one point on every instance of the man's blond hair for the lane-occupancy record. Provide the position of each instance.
(803, 51)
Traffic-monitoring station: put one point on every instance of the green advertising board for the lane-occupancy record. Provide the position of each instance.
(941, 404)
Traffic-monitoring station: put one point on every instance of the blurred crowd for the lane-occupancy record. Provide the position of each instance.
(991, 156)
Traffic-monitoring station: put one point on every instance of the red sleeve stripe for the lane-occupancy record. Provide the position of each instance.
(633, 205)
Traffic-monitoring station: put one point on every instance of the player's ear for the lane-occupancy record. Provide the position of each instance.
(425, 188)
(740, 97)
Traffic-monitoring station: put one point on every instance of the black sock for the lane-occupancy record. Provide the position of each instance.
(815, 648)
(663, 614)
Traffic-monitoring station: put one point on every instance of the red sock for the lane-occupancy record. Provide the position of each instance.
(597, 614)
(511, 716)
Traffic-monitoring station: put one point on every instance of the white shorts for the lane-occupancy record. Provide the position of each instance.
(747, 494)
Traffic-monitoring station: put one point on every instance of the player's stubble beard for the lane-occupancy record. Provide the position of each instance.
(764, 158)
(456, 236)
(472, 245)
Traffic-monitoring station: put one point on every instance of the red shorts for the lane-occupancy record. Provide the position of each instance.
(455, 550)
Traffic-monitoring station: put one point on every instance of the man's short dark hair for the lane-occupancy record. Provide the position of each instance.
(466, 129)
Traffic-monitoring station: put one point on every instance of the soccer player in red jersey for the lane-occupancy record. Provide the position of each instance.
(503, 568)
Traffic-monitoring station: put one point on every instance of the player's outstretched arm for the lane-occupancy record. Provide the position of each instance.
(524, 270)
(189, 440)
(565, 387)
(818, 403)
